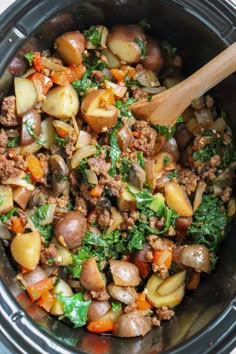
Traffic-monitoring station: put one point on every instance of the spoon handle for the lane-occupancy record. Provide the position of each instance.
(180, 96)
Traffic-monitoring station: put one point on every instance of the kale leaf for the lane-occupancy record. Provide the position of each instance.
(61, 142)
(93, 35)
(5, 217)
(114, 152)
(166, 131)
(75, 308)
(123, 107)
(142, 47)
(37, 217)
(13, 142)
(124, 168)
(140, 159)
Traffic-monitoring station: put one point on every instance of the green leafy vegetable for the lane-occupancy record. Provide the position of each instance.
(77, 260)
(129, 82)
(13, 142)
(30, 57)
(173, 174)
(114, 152)
(75, 308)
(83, 169)
(61, 142)
(5, 217)
(142, 47)
(209, 222)
(125, 168)
(30, 130)
(27, 177)
(166, 131)
(93, 35)
(144, 24)
(166, 160)
(140, 159)
(37, 217)
(123, 107)
(115, 306)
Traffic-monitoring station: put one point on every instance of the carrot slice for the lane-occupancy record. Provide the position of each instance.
(142, 303)
(36, 290)
(17, 225)
(46, 301)
(34, 167)
(101, 325)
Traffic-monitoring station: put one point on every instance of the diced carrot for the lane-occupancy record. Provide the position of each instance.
(24, 270)
(76, 72)
(97, 191)
(34, 167)
(194, 280)
(123, 72)
(61, 132)
(41, 81)
(17, 225)
(143, 267)
(101, 325)
(142, 303)
(92, 216)
(36, 290)
(60, 78)
(118, 74)
(46, 301)
(107, 98)
(129, 71)
(161, 257)
(37, 62)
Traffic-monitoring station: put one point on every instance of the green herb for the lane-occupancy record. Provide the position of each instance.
(77, 260)
(115, 306)
(168, 49)
(13, 142)
(83, 169)
(124, 168)
(131, 82)
(142, 47)
(69, 205)
(144, 24)
(140, 159)
(30, 57)
(123, 107)
(27, 177)
(30, 130)
(166, 131)
(61, 142)
(75, 308)
(209, 222)
(143, 198)
(37, 217)
(114, 152)
(166, 160)
(149, 98)
(93, 35)
(81, 86)
(5, 217)
(173, 174)
(51, 260)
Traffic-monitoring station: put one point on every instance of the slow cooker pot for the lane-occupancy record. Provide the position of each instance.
(205, 321)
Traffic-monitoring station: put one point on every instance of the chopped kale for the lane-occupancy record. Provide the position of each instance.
(5, 217)
(141, 159)
(142, 47)
(30, 57)
(37, 217)
(93, 35)
(27, 177)
(114, 152)
(124, 168)
(83, 168)
(30, 130)
(173, 174)
(115, 306)
(166, 131)
(123, 107)
(61, 142)
(166, 160)
(13, 142)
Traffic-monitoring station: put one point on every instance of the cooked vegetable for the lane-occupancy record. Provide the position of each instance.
(25, 249)
(91, 278)
(26, 95)
(31, 127)
(132, 324)
(61, 290)
(153, 59)
(126, 295)
(124, 273)
(97, 309)
(6, 199)
(177, 199)
(70, 46)
(195, 256)
(112, 60)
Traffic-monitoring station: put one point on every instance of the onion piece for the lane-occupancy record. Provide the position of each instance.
(50, 215)
(49, 64)
(19, 181)
(84, 139)
(146, 78)
(118, 90)
(58, 124)
(92, 177)
(231, 207)
(4, 232)
(116, 220)
(80, 154)
(201, 187)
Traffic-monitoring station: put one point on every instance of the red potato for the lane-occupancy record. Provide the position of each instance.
(195, 256)
(26, 95)
(22, 196)
(177, 199)
(171, 147)
(132, 324)
(153, 59)
(183, 223)
(124, 273)
(70, 229)
(121, 42)
(91, 278)
(124, 137)
(98, 309)
(34, 276)
(125, 294)
(98, 110)
(70, 46)
(31, 127)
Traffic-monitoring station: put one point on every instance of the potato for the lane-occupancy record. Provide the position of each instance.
(112, 60)
(30, 127)
(125, 294)
(177, 199)
(91, 278)
(103, 39)
(132, 324)
(98, 110)
(124, 273)
(6, 199)
(171, 299)
(97, 309)
(64, 289)
(171, 283)
(47, 136)
(21, 196)
(25, 249)
(61, 102)
(63, 253)
(70, 46)
(122, 42)
(153, 59)
(126, 201)
(26, 95)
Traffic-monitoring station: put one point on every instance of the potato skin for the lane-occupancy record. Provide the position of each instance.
(153, 59)
(124, 273)
(33, 119)
(90, 277)
(132, 324)
(70, 230)
(70, 46)
(98, 309)
(121, 42)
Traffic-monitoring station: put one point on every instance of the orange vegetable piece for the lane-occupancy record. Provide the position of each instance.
(194, 280)
(17, 225)
(101, 325)
(36, 290)
(162, 257)
(41, 81)
(34, 167)
(46, 301)
(143, 267)
(107, 98)
(37, 61)
(142, 303)
(76, 72)
(96, 191)
(60, 78)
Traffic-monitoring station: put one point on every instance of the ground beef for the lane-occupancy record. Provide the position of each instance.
(49, 255)
(161, 270)
(215, 161)
(9, 118)
(85, 193)
(127, 222)
(114, 185)
(156, 223)
(19, 162)
(3, 141)
(104, 218)
(97, 75)
(101, 296)
(138, 93)
(226, 194)
(99, 165)
(146, 138)
(210, 174)
(165, 313)
(188, 180)
(7, 168)
(74, 284)
(156, 242)
(81, 206)
(155, 322)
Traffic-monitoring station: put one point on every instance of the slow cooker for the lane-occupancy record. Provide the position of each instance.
(206, 320)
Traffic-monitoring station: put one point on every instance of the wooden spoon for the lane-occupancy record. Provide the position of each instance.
(166, 107)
